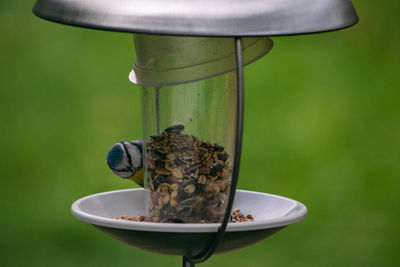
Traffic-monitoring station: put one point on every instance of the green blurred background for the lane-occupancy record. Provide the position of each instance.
(322, 125)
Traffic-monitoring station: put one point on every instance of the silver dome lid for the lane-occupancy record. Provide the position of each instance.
(202, 17)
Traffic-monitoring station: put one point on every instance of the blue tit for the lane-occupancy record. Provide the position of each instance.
(125, 160)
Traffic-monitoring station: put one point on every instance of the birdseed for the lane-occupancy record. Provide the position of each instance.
(236, 216)
(193, 175)
(140, 218)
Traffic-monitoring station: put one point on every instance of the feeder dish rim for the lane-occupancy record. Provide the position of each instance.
(296, 213)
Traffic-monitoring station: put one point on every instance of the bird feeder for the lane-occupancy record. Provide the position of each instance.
(189, 64)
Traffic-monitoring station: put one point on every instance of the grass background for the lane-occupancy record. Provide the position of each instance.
(322, 125)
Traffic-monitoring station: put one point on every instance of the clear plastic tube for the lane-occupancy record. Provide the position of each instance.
(189, 131)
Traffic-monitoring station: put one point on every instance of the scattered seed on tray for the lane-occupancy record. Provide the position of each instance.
(236, 216)
(140, 218)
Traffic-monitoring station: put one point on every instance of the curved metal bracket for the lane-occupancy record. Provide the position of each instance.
(189, 261)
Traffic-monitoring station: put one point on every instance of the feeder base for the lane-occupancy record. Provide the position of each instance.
(271, 214)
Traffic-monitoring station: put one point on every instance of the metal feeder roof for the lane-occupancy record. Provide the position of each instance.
(202, 17)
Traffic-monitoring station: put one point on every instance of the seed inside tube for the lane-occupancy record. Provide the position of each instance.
(202, 179)
(177, 173)
(190, 188)
(189, 175)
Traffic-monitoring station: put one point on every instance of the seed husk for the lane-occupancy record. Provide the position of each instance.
(190, 189)
(157, 138)
(202, 179)
(171, 156)
(173, 203)
(163, 171)
(158, 154)
(165, 199)
(177, 173)
(194, 167)
(187, 202)
(164, 188)
(174, 194)
(175, 128)
(175, 187)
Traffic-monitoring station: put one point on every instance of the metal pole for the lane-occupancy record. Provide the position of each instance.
(158, 110)
(209, 250)
(187, 263)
